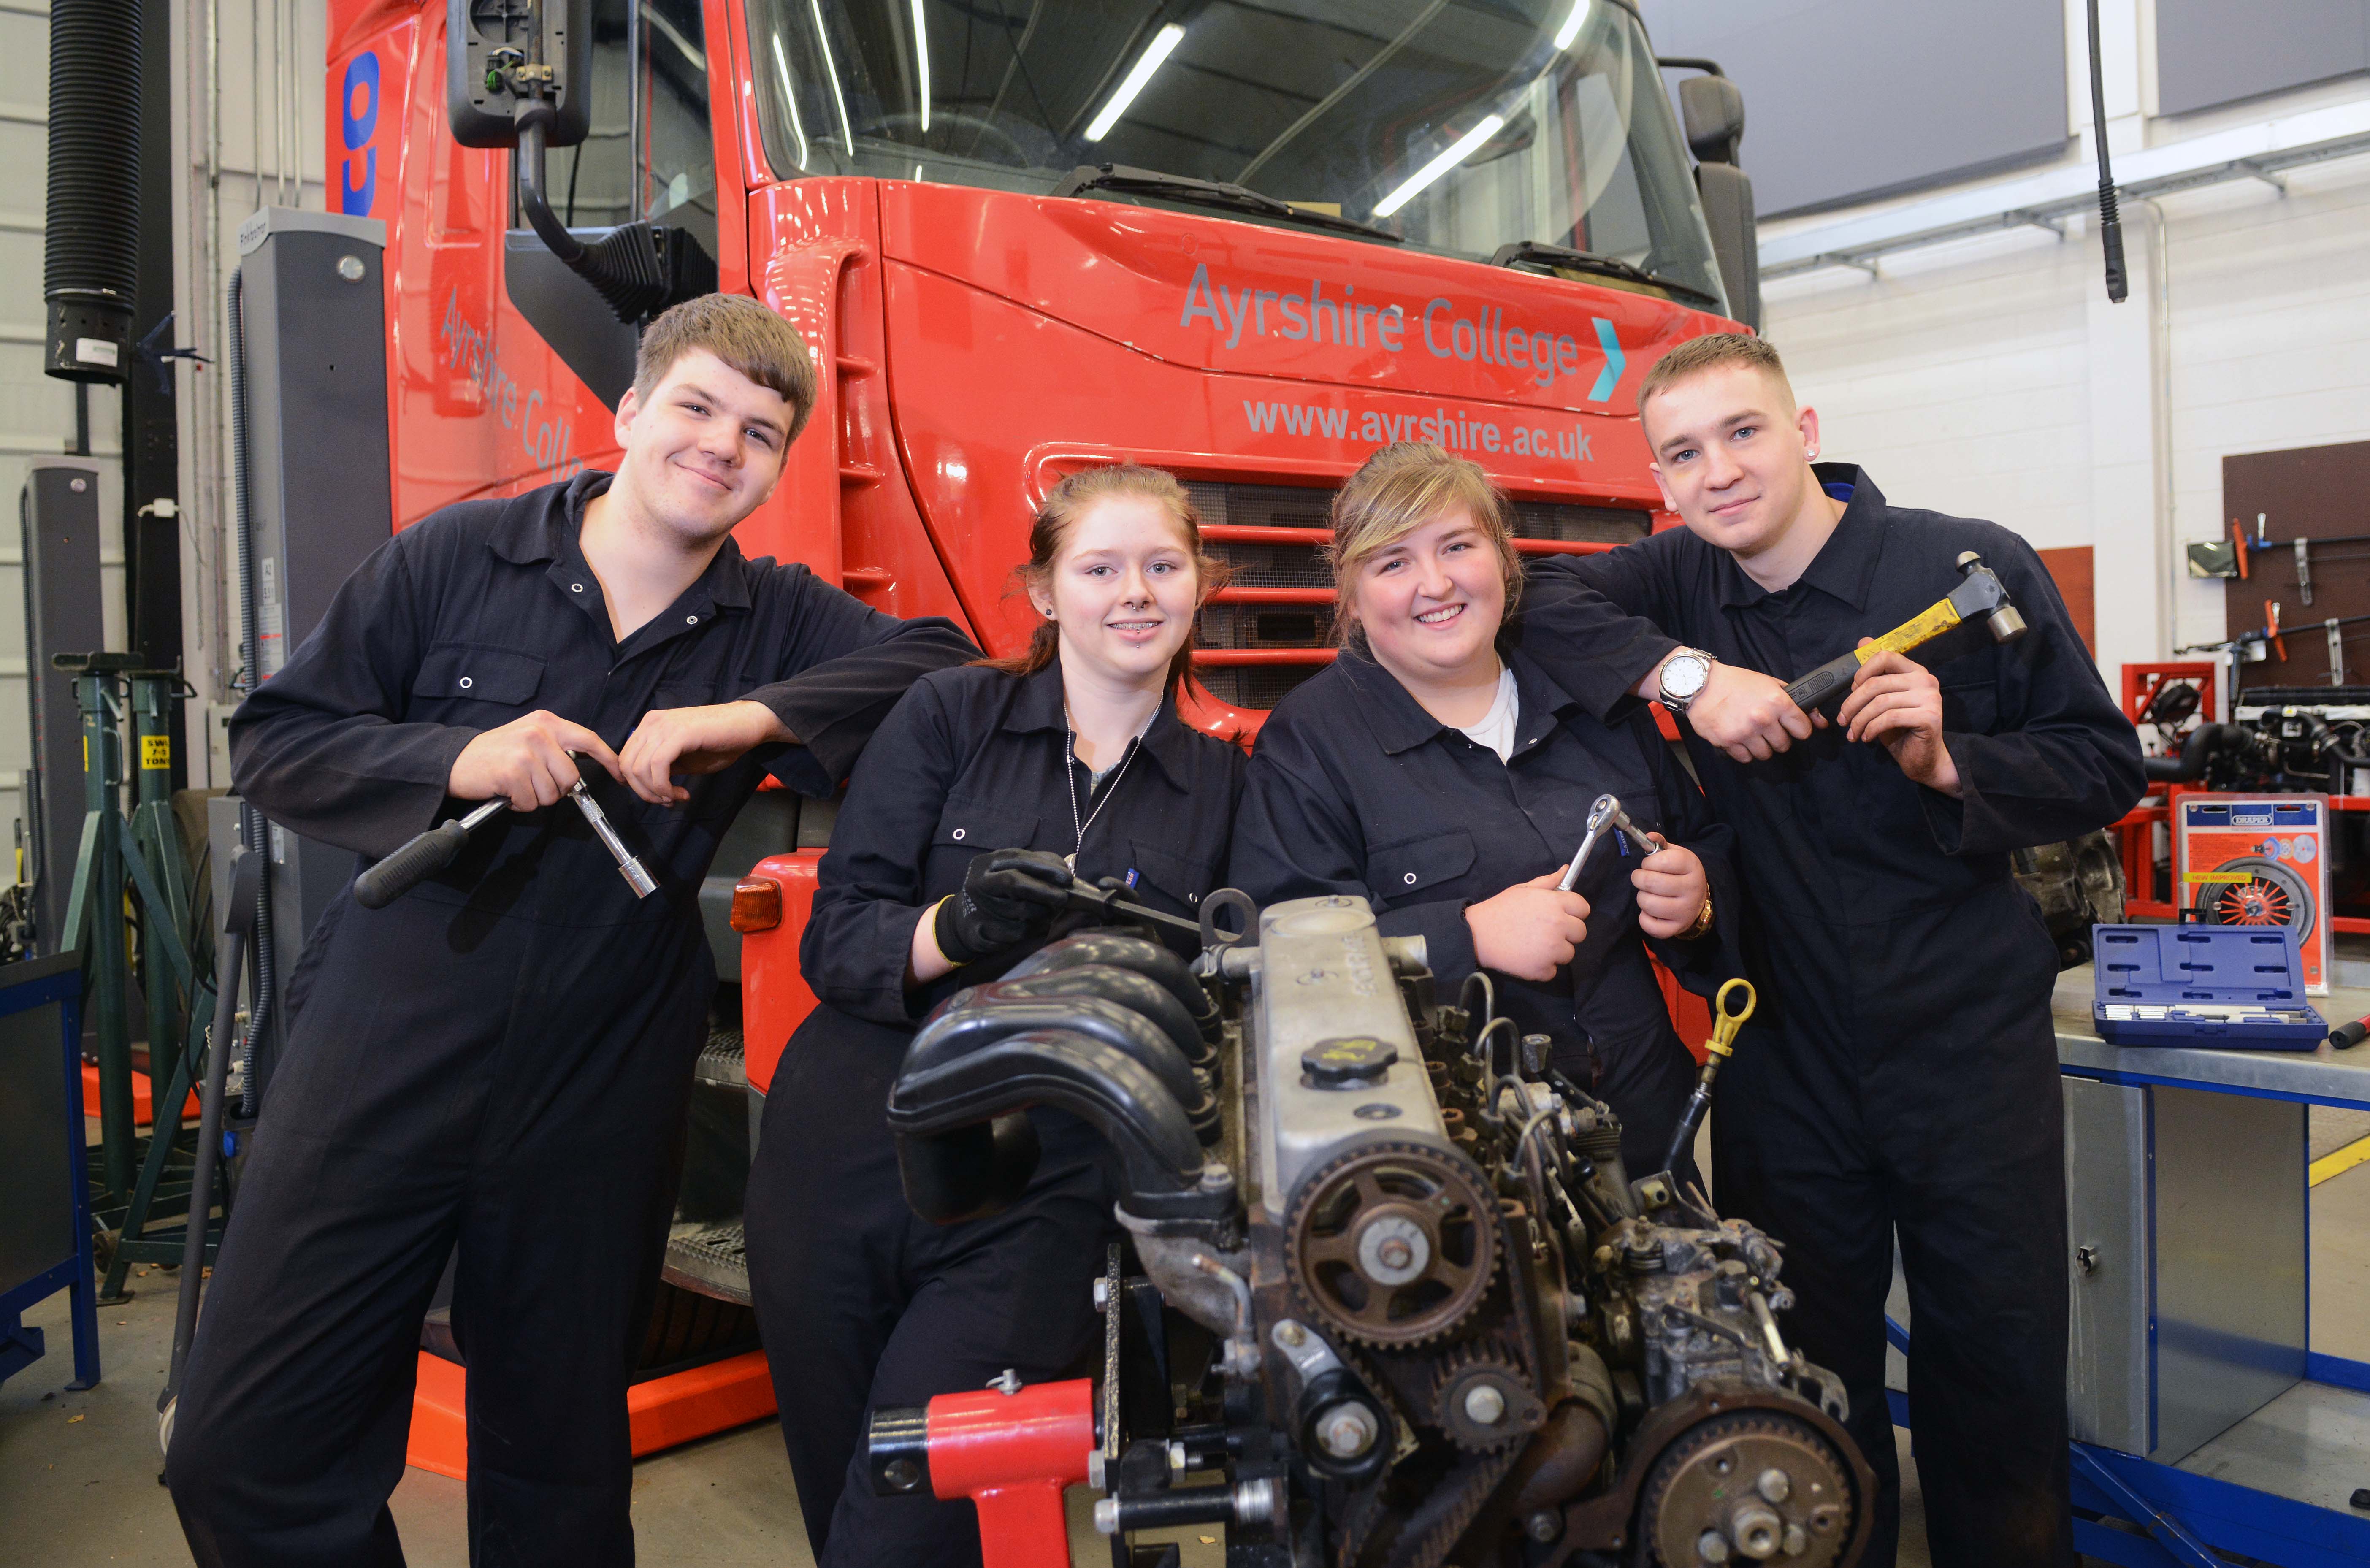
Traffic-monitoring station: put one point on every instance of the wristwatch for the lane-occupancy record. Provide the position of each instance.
(1683, 675)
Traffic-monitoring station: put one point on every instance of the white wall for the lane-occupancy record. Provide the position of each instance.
(1990, 376)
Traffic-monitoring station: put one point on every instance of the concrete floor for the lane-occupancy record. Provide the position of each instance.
(79, 1471)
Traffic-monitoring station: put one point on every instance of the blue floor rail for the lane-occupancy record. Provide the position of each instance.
(2189, 1519)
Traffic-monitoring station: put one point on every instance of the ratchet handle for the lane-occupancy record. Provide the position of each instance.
(1825, 684)
(409, 866)
(2346, 1036)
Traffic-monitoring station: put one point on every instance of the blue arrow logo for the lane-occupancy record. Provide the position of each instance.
(1610, 377)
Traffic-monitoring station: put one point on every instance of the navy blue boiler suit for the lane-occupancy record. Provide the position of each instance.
(499, 1059)
(1901, 1075)
(860, 1303)
(1354, 790)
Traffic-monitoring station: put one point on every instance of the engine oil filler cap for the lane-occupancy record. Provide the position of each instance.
(1350, 1059)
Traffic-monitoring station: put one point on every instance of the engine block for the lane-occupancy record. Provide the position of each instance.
(1399, 1302)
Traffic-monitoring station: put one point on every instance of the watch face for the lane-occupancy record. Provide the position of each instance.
(1684, 676)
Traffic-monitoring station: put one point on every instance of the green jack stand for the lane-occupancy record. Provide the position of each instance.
(142, 862)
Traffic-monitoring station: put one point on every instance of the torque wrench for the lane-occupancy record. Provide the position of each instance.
(1607, 813)
(1980, 592)
(423, 858)
(433, 850)
(628, 867)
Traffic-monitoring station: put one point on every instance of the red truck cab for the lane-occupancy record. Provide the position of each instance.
(1246, 242)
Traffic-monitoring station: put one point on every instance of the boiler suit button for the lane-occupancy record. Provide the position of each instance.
(959, 832)
(467, 682)
(691, 620)
(576, 587)
(1410, 879)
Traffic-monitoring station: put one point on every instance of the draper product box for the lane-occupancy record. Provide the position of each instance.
(2258, 860)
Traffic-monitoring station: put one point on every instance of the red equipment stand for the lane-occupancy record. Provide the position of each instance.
(1011, 1448)
(662, 1414)
(2135, 833)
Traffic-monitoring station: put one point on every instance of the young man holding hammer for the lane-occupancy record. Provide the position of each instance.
(497, 1062)
(1904, 1077)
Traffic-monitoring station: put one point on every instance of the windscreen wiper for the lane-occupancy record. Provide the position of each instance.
(1539, 254)
(1205, 193)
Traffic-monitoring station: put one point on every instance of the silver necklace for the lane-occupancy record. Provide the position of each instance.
(1069, 786)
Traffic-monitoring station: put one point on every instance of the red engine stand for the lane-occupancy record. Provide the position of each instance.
(1011, 1454)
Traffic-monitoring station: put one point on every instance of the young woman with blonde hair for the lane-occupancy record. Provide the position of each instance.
(1449, 780)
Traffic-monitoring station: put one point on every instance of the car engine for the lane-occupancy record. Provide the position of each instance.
(1394, 1300)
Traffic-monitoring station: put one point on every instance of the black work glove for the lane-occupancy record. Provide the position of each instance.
(1008, 895)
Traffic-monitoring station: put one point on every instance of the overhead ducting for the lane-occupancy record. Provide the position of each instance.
(91, 259)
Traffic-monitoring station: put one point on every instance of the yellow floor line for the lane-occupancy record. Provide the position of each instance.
(2341, 1161)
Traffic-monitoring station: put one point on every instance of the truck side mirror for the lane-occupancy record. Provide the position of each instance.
(1714, 111)
(518, 75)
(501, 57)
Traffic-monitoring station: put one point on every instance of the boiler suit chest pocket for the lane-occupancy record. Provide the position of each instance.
(1422, 870)
(967, 828)
(1181, 880)
(475, 684)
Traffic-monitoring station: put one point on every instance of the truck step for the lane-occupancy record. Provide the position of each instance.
(712, 1260)
(721, 1060)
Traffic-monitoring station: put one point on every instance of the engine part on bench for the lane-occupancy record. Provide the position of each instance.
(2078, 884)
(1411, 1308)
(2286, 738)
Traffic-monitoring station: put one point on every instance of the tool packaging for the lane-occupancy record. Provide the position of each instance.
(2224, 985)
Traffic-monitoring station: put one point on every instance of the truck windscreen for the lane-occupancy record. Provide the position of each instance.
(1458, 126)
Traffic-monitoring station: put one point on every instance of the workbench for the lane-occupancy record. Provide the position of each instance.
(2200, 1412)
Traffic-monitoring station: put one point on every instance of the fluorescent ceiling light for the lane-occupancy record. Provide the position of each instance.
(922, 61)
(1464, 147)
(1166, 39)
(1570, 29)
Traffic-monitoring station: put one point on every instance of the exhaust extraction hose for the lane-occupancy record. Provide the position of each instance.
(91, 259)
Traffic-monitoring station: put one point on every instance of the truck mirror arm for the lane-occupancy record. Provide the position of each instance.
(622, 266)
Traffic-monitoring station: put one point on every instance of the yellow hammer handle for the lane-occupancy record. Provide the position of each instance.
(1922, 628)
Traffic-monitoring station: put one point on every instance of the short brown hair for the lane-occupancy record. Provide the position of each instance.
(1068, 502)
(745, 335)
(1707, 353)
(1398, 490)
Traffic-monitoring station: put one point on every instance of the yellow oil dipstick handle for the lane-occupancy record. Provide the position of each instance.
(1724, 1024)
(1720, 1046)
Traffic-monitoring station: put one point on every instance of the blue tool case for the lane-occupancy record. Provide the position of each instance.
(2231, 986)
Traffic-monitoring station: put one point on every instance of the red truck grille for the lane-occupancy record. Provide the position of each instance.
(1271, 627)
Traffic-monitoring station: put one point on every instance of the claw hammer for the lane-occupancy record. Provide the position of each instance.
(1980, 592)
